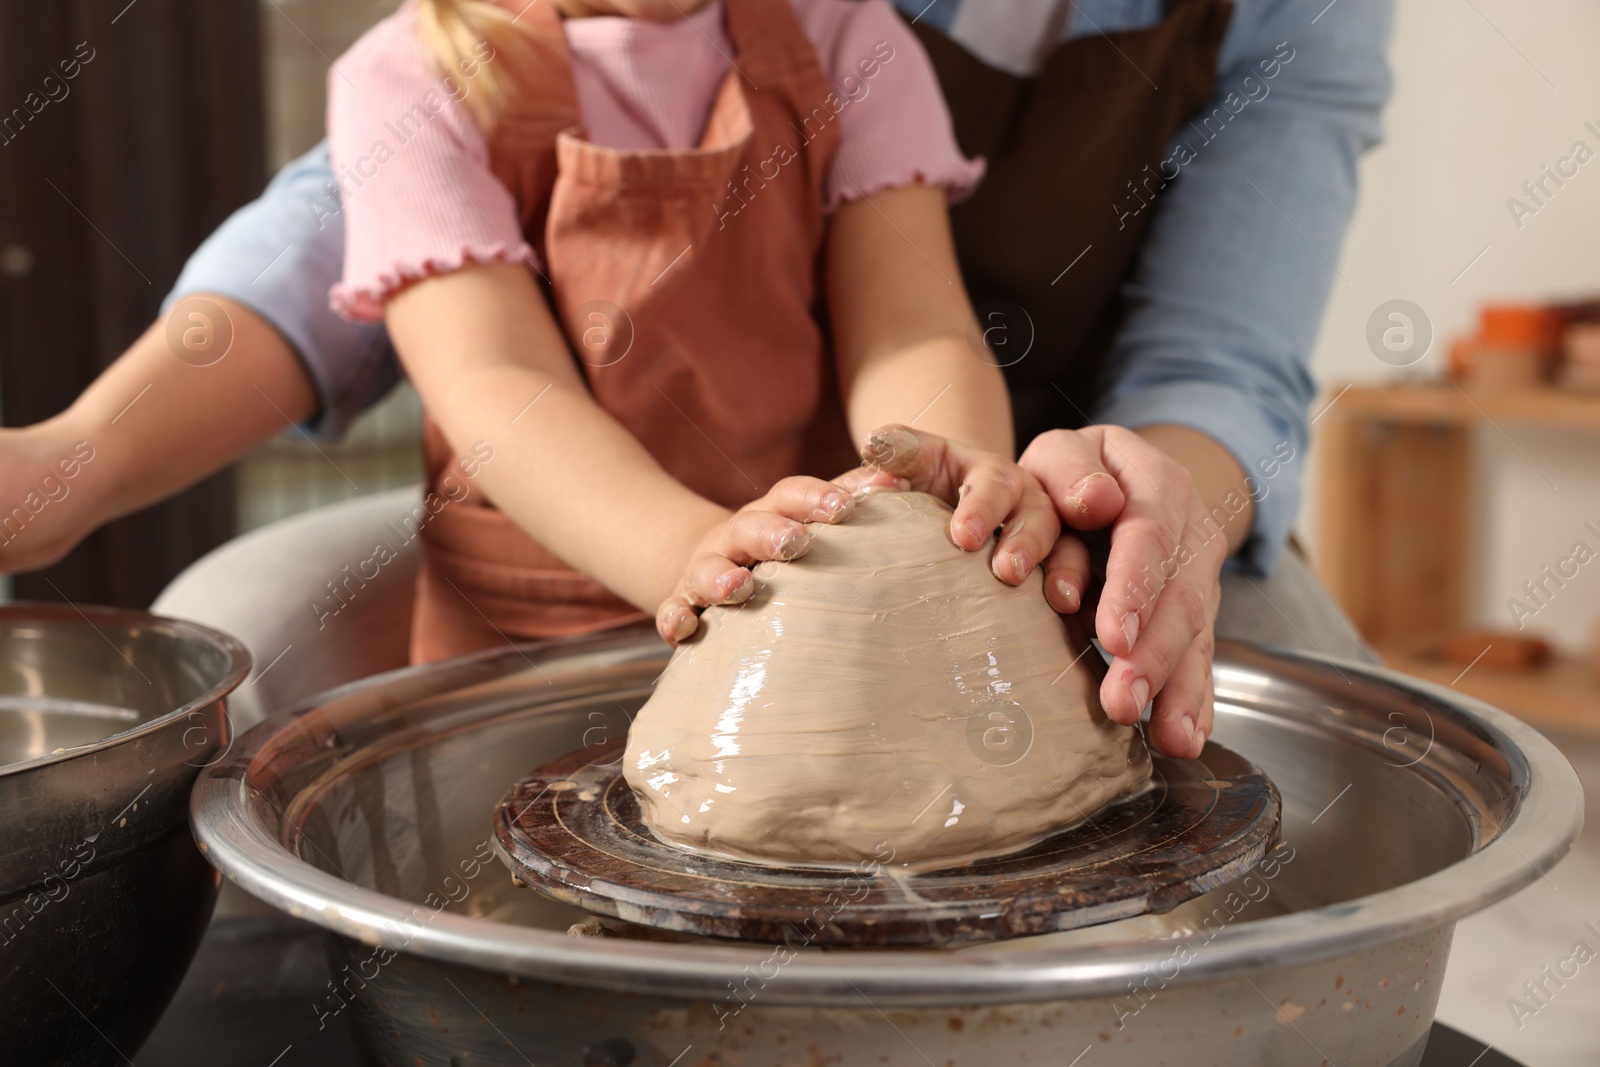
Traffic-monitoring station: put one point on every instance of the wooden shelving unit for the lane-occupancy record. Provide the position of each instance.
(1394, 525)
(1447, 404)
(1564, 695)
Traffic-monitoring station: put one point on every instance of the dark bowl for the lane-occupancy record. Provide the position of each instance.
(106, 718)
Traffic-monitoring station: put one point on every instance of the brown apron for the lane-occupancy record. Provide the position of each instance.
(1073, 152)
(672, 273)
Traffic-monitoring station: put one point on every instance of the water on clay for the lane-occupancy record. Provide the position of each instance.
(849, 710)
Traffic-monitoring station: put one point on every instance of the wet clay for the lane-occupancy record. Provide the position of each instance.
(883, 698)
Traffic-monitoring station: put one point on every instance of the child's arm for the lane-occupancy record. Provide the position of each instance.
(150, 425)
(901, 328)
(490, 362)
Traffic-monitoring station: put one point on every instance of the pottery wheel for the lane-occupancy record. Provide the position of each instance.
(572, 830)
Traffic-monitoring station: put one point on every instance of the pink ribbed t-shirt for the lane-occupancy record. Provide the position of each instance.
(413, 166)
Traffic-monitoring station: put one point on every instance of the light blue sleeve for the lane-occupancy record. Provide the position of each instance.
(278, 256)
(1229, 289)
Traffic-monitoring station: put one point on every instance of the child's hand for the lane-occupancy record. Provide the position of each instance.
(773, 527)
(988, 491)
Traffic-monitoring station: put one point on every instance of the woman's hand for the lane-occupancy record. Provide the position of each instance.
(152, 424)
(988, 490)
(47, 502)
(770, 528)
(1161, 592)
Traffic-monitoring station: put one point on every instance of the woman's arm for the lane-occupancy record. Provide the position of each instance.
(156, 421)
(491, 364)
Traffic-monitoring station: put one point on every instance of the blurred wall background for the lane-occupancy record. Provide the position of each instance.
(110, 175)
(301, 37)
(1487, 92)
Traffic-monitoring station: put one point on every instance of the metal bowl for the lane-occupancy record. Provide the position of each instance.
(106, 718)
(1406, 807)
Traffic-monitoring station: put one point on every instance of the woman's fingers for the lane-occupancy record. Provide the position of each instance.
(1158, 605)
(1182, 717)
(1151, 543)
(1103, 475)
(1179, 630)
(1066, 574)
(1068, 465)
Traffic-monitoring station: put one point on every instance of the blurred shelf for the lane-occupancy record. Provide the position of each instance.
(1563, 695)
(1444, 403)
(1397, 480)
(1396, 513)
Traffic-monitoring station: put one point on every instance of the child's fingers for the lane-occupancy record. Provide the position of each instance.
(751, 536)
(772, 528)
(710, 579)
(1066, 574)
(676, 620)
(991, 490)
(713, 579)
(896, 449)
(1175, 648)
(921, 460)
(807, 500)
(1026, 539)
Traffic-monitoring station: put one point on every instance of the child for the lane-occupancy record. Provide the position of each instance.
(602, 235)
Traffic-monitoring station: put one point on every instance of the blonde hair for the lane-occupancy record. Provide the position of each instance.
(456, 31)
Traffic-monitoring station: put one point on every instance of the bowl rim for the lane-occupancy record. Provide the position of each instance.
(239, 666)
(1547, 821)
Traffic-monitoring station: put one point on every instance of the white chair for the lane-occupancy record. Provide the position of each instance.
(306, 598)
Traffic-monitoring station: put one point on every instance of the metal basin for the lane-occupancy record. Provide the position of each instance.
(1406, 807)
(106, 718)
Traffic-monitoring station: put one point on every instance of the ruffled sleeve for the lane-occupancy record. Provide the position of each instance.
(894, 126)
(412, 168)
